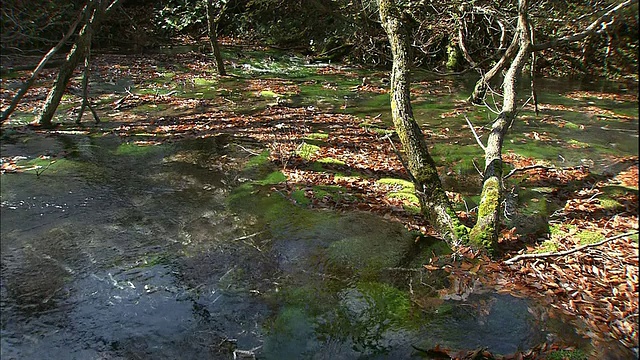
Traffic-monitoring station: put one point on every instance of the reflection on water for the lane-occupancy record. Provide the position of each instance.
(139, 253)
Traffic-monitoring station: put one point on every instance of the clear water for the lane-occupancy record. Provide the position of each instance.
(125, 252)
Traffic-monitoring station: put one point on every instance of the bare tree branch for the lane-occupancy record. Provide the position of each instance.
(590, 30)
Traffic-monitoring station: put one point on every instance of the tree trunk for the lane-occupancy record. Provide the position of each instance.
(485, 233)
(78, 52)
(64, 74)
(433, 199)
(27, 84)
(482, 85)
(212, 28)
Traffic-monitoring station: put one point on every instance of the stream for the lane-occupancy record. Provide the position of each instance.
(163, 252)
(179, 251)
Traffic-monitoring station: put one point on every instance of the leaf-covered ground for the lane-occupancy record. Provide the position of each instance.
(324, 157)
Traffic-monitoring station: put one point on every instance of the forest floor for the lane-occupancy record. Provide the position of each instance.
(327, 158)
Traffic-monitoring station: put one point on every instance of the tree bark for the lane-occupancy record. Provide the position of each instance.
(482, 85)
(77, 52)
(25, 87)
(212, 28)
(433, 199)
(485, 233)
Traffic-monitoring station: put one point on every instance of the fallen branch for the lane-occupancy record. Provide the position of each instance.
(567, 252)
(531, 167)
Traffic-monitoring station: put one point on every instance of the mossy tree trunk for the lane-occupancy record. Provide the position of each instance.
(97, 11)
(433, 199)
(485, 233)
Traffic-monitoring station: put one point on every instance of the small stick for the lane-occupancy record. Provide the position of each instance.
(475, 134)
(566, 252)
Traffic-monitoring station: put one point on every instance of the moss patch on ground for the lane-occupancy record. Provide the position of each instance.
(589, 237)
(307, 151)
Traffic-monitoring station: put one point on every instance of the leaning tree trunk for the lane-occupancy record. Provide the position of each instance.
(27, 84)
(77, 53)
(485, 233)
(62, 79)
(212, 28)
(433, 199)
(482, 85)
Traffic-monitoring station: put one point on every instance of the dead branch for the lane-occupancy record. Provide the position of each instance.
(593, 28)
(538, 166)
(567, 252)
(475, 134)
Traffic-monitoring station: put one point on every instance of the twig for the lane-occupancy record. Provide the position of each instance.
(475, 134)
(567, 252)
(248, 236)
(247, 150)
(477, 168)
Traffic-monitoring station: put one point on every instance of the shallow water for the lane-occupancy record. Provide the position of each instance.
(126, 252)
(163, 252)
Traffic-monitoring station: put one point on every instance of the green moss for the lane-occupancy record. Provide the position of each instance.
(589, 237)
(241, 194)
(414, 203)
(547, 246)
(578, 144)
(336, 193)
(299, 198)
(568, 355)
(404, 196)
(407, 186)
(571, 126)
(275, 177)
(132, 149)
(389, 302)
(317, 136)
(610, 204)
(490, 197)
(258, 160)
(483, 235)
(204, 82)
(354, 176)
(561, 230)
(269, 94)
(306, 151)
(331, 161)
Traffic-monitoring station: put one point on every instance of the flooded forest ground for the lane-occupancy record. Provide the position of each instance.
(249, 198)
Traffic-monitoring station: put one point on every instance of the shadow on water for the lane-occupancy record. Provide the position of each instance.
(163, 252)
